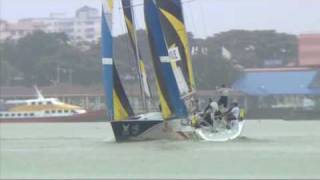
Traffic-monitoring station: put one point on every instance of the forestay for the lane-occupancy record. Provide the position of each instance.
(131, 28)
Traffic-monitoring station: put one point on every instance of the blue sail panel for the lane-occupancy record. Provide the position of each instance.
(167, 85)
(117, 101)
(106, 49)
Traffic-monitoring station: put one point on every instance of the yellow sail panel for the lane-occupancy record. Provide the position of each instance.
(28, 108)
(165, 110)
(142, 67)
(130, 27)
(119, 111)
(110, 4)
(180, 29)
(144, 79)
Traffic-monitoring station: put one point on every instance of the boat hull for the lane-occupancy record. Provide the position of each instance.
(91, 116)
(147, 129)
(141, 130)
(222, 136)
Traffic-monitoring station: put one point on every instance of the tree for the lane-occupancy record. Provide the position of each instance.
(39, 56)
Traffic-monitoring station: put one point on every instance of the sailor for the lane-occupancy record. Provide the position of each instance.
(195, 120)
(208, 106)
(233, 115)
(223, 101)
(195, 105)
(210, 111)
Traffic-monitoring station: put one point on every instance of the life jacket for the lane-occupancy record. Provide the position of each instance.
(242, 114)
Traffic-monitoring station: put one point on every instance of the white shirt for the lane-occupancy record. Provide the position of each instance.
(214, 106)
(236, 112)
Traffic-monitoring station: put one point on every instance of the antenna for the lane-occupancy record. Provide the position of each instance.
(38, 92)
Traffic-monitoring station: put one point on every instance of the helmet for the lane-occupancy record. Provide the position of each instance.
(234, 103)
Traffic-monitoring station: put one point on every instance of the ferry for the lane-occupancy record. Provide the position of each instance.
(43, 109)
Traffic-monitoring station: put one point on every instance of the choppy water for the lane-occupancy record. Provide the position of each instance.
(267, 149)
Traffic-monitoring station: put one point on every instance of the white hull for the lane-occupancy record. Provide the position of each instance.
(222, 135)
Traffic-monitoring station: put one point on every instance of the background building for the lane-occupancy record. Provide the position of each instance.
(309, 50)
(281, 92)
(84, 26)
(14, 31)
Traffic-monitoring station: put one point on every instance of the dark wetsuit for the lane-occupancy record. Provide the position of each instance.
(223, 101)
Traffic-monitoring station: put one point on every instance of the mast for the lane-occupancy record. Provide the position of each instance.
(138, 59)
(131, 28)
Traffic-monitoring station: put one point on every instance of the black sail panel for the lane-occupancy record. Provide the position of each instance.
(172, 22)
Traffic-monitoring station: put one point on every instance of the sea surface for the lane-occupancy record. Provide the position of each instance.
(266, 149)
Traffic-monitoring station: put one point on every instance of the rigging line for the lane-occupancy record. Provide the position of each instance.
(138, 55)
(124, 40)
(190, 17)
(204, 24)
(128, 45)
(151, 76)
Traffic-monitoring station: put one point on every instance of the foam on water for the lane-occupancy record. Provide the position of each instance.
(266, 149)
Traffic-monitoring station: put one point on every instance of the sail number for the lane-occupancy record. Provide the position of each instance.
(132, 130)
(174, 54)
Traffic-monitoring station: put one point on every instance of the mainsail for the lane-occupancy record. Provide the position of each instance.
(172, 22)
(129, 19)
(116, 99)
(171, 103)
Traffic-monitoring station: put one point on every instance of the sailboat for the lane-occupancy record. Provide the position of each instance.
(174, 77)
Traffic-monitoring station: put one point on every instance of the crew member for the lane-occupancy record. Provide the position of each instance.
(223, 101)
(233, 115)
(210, 111)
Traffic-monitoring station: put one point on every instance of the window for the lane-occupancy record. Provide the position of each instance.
(25, 114)
(47, 112)
(39, 103)
(59, 111)
(33, 103)
(0, 115)
(18, 114)
(49, 102)
(66, 111)
(6, 115)
(53, 111)
(89, 23)
(31, 114)
(13, 115)
(89, 30)
(90, 36)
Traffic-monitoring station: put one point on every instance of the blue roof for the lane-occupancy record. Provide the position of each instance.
(264, 83)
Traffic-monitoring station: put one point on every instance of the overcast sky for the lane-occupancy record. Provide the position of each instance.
(203, 17)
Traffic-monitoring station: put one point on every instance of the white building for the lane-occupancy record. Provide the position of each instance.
(14, 31)
(85, 26)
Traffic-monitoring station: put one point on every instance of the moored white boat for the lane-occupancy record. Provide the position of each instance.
(43, 109)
